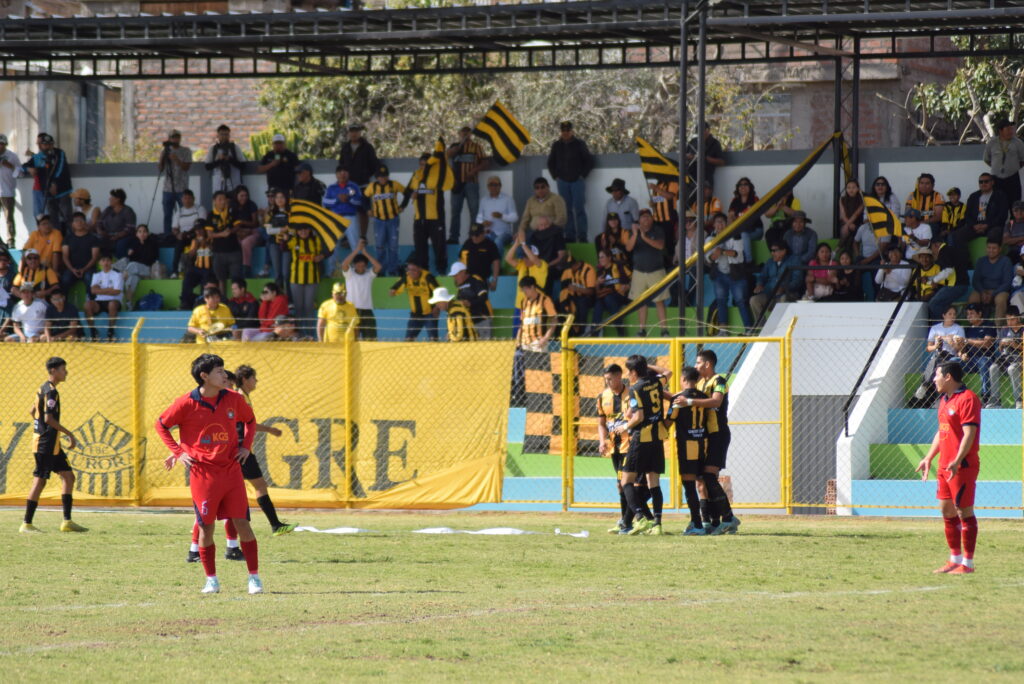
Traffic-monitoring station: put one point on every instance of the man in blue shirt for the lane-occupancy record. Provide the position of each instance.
(993, 278)
(345, 199)
(801, 240)
(768, 278)
(976, 352)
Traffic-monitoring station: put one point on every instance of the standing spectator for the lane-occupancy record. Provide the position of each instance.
(944, 340)
(107, 288)
(54, 175)
(712, 205)
(196, 266)
(527, 262)
(28, 316)
(976, 351)
(419, 284)
(663, 201)
(186, 217)
(345, 199)
(81, 201)
(117, 224)
(1004, 153)
(8, 297)
(801, 240)
(211, 320)
(382, 196)
(569, 163)
(993, 276)
(175, 161)
(768, 278)
(1013, 233)
(497, 214)
(713, 156)
(473, 292)
(551, 247)
(726, 263)
(247, 224)
(579, 285)
(243, 306)
(851, 211)
(360, 269)
(625, 207)
(539, 319)
(307, 252)
(916, 233)
(613, 239)
(460, 323)
(279, 163)
(334, 315)
(359, 157)
(543, 203)
(467, 159)
(307, 186)
(481, 256)
(428, 223)
(80, 253)
(42, 279)
(34, 167)
(954, 213)
(891, 281)
(47, 242)
(612, 289)
(272, 305)
(952, 275)
(275, 220)
(743, 198)
(1007, 359)
(224, 160)
(143, 255)
(987, 209)
(10, 168)
(61, 319)
(227, 251)
(646, 241)
(925, 199)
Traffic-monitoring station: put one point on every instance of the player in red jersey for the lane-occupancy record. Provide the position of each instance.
(207, 419)
(956, 443)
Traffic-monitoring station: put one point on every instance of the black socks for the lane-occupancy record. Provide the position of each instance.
(268, 510)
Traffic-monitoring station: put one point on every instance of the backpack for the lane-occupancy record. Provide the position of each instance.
(154, 301)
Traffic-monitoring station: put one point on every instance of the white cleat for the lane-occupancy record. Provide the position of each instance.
(212, 586)
(255, 585)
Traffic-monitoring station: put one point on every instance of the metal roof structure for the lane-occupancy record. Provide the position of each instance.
(495, 38)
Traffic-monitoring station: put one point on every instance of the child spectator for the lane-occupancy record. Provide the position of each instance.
(197, 266)
(954, 213)
(612, 288)
(107, 290)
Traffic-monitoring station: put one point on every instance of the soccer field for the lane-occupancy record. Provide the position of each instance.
(800, 598)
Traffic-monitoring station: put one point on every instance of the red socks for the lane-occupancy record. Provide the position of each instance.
(251, 556)
(970, 535)
(953, 535)
(195, 533)
(229, 530)
(208, 557)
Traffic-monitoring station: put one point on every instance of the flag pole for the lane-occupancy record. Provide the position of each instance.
(684, 194)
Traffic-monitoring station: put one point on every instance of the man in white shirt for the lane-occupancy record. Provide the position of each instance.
(10, 168)
(359, 283)
(497, 213)
(28, 317)
(917, 234)
(185, 217)
(224, 160)
(105, 292)
(892, 281)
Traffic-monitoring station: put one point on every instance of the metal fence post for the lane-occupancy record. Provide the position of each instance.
(137, 426)
(568, 432)
(349, 347)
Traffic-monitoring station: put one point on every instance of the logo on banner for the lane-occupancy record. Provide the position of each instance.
(102, 458)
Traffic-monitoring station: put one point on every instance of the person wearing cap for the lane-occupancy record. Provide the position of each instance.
(8, 296)
(481, 256)
(42, 279)
(361, 269)
(543, 203)
(987, 209)
(359, 157)
(992, 281)
(419, 284)
(975, 351)
(285, 330)
(307, 186)
(527, 262)
(550, 244)
(61, 319)
(473, 292)
(50, 167)
(175, 161)
(497, 214)
(117, 224)
(344, 198)
(382, 197)
(81, 201)
(28, 318)
(926, 286)
(801, 240)
(646, 241)
(1004, 154)
(467, 158)
(954, 212)
(428, 218)
(334, 316)
(712, 205)
(47, 242)
(714, 156)
(579, 285)
(212, 318)
(925, 199)
(10, 169)
(569, 163)
(460, 322)
(224, 161)
(1007, 359)
(279, 164)
(621, 204)
(1013, 233)
(766, 281)
(917, 233)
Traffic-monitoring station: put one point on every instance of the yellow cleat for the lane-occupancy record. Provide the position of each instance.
(655, 531)
(71, 526)
(641, 526)
(29, 528)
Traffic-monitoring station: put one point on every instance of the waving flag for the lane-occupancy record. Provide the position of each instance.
(657, 168)
(885, 224)
(328, 225)
(506, 135)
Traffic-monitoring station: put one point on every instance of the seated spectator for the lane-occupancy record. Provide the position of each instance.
(780, 213)
(613, 239)
(867, 252)
(186, 217)
(801, 240)
(81, 201)
(1017, 284)
(543, 203)
(212, 320)
(851, 211)
(307, 251)
(892, 282)
(883, 192)
(945, 339)
(243, 306)
(712, 205)
(743, 198)
(953, 213)
(993, 278)
(729, 276)
(527, 262)
(62, 322)
(848, 286)
(360, 269)
(976, 351)
(767, 290)
(987, 209)
(952, 276)
(107, 289)
(497, 214)
(8, 297)
(1013, 233)
(46, 242)
(925, 200)
(1007, 359)
(143, 262)
(345, 199)
(481, 256)
(43, 280)
(820, 283)
(419, 284)
(551, 247)
(334, 315)
(285, 330)
(460, 322)
(621, 204)
(473, 292)
(116, 224)
(81, 253)
(612, 289)
(916, 233)
(646, 242)
(247, 224)
(197, 267)
(272, 304)
(926, 286)
(28, 317)
(579, 285)
(307, 187)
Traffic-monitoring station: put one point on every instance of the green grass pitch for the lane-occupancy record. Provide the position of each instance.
(787, 599)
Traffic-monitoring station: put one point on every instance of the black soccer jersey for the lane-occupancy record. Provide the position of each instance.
(46, 438)
(719, 419)
(645, 397)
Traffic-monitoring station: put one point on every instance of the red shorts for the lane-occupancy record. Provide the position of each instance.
(960, 489)
(218, 494)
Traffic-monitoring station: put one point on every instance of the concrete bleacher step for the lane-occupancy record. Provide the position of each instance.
(917, 426)
(911, 381)
(899, 461)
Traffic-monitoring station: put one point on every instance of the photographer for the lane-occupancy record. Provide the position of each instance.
(175, 161)
(279, 164)
(224, 159)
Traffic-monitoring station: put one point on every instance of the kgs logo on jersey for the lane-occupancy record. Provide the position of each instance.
(102, 458)
(216, 434)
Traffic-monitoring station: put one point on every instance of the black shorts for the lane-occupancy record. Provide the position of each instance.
(48, 462)
(645, 457)
(692, 455)
(617, 461)
(718, 448)
(251, 468)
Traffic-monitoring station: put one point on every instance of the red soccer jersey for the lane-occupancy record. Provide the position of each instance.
(955, 411)
(207, 427)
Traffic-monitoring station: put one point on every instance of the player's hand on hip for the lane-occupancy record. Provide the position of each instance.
(243, 454)
(72, 442)
(923, 468)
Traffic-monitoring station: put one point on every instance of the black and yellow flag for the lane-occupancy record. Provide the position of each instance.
(439, 174)
(328, 225)
(885, 224)
(506, 135)
(656, 167)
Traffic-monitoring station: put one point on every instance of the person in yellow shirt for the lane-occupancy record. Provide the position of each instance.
(527, 262)
(579, 285)
(460, 323)
(334, 316)
(212, 320)
(47, 241)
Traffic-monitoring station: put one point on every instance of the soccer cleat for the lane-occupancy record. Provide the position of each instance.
(729, 527)
(655, 530)
(192, 557)
(961, 570)
(950, 566)
(234, 553)
(71, 526)
(618, 526)
(29, 527)
(284, 528)
(625, 530)
(693, 530)
(707, 527)
(255, 585)
(641, 526)
(212, 586)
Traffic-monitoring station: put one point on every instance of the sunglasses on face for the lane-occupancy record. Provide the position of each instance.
(984, 181)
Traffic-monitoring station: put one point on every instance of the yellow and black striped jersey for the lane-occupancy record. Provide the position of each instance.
(419, 290)
(718, 420)
(467, 156)
(305, 270)
(384, 198)
(535, 318)
(460, 323)
(429, 201)
(645, 397)
(45, 438)
(663, 209)
(611, 406)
